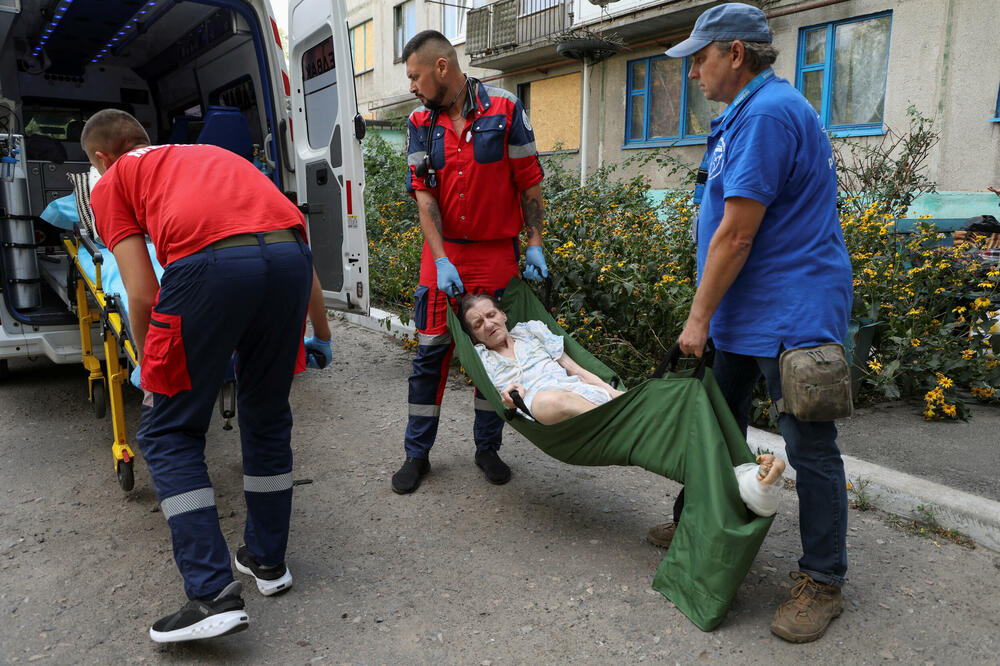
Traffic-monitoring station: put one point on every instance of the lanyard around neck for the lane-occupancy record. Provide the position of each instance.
(717, 124)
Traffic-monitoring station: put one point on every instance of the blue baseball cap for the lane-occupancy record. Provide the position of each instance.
(724, 23)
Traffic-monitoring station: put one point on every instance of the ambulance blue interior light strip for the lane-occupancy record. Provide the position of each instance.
(130, 30)
(50, 27)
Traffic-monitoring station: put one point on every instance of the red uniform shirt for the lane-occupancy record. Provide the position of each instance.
(187, 197)
(480, 173)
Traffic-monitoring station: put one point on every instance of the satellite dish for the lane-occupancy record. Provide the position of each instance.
(601, 3)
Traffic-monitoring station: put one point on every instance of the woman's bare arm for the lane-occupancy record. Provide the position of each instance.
(573, 368)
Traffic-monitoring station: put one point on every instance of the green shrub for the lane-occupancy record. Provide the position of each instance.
(622, 266)
(394, 236)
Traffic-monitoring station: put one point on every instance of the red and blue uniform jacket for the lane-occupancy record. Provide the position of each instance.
(480, 173)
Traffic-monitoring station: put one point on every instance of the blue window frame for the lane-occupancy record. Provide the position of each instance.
(996, 112)
(842, 68)
(663, 107)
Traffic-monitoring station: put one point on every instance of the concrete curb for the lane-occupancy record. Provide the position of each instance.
(901, 493)
(889, 490)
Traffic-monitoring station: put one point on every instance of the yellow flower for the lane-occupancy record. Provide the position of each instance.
(968, 354)
(875, 365)
(981, 303)
(949, 410)
(959, 310)
(915, 342)
(944, 382)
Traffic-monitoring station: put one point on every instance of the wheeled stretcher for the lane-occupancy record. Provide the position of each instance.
(97, 294)
(111, 311)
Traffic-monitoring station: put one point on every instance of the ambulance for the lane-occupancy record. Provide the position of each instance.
(191, 71)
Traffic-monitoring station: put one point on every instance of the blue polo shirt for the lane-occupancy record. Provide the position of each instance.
(796, 287)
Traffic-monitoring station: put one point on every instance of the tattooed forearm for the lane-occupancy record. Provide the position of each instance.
(434, 212)
(531, 207)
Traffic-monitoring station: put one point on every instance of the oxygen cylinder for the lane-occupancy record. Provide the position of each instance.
(17, 227)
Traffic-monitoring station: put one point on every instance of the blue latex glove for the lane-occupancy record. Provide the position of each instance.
(534, 263)
(134, 377)
(318, 353)
(448, 280)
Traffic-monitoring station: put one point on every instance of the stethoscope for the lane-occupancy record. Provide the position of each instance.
(425, 169)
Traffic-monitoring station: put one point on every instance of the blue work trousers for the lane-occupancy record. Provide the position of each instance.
(426, 390)
(251, 299)
(812, 451)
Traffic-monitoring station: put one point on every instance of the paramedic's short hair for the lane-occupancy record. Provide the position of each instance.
(430, 42)
(759, 55)
(114, 132)
(466, 303)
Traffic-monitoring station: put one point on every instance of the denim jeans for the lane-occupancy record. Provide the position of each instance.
(812, 451)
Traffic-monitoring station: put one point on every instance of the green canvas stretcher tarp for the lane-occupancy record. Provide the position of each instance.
(676, 426)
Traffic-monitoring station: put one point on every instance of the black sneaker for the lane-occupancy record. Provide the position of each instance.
(407, 479)
(497, 472)
(270, 580)
(202, 618)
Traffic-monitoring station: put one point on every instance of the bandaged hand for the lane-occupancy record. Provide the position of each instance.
(447, 277)
(135, 377)
(770, 468)
(534, 263)
(321, 352)
(505, 394)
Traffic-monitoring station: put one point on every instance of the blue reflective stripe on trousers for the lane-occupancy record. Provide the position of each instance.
(251, 299)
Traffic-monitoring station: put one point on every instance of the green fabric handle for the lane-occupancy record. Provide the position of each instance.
(678, 427)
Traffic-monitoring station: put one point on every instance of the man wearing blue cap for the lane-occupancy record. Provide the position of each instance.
(773, 275)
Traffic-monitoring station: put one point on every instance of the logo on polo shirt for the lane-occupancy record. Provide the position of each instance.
(718, 158)
(527, 125)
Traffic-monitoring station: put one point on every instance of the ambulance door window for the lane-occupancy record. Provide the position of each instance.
(319, 80)
(324, 190)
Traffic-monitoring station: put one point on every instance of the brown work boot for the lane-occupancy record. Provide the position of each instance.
(805, 616)
(662, 535)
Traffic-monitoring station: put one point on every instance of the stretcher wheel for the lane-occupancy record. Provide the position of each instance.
(100, 400)
(126, 476)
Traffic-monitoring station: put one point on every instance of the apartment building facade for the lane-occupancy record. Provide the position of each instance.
(596, 83)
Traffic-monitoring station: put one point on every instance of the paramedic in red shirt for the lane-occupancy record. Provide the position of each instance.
(237, 276)
(474, 172)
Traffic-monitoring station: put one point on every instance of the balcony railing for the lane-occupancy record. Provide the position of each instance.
(514, 24)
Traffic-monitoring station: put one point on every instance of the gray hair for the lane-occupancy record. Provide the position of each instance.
(758, 54)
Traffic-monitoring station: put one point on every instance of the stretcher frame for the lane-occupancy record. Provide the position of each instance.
(104, 386)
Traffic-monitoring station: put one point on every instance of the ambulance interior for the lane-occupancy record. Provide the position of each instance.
(191, 72)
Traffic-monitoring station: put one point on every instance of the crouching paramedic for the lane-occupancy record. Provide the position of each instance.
(475, 175)
(237, 276)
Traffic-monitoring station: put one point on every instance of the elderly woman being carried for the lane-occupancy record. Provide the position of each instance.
(529, 358)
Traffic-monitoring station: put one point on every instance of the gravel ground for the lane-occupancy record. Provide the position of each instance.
(550, 568)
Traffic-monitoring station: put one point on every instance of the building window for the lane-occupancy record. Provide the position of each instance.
(363, 47)
(524, 94)
(842, 68)
(996, 113)
(535, 6)
(555, 111)
(404, 26)
(453, 20)
(664, 106)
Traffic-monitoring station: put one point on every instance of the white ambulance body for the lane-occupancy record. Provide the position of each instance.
(191, 72)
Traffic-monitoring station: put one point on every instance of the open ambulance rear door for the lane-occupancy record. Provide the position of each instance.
(326, 141)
